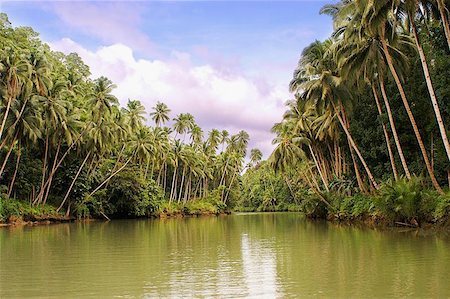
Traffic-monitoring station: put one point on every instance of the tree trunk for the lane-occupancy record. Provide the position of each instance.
(325, 182)
(434, 101)
(8, 106)
(444, 17)
(411, 116)
(7, 157)
(355, 147)
(182, 182)
(394, 129)
(173, 184)
(52, 173)
(15, 171)
(110, 177)
(386, 135)
(73, 182)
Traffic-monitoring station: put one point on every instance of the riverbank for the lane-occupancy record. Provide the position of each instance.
(15, 212)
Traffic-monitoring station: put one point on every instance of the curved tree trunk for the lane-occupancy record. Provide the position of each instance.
(410, 115)
(15, 171)
(110, 177)
(355, 147)
(386, 135)
(73, 182)
(325, 182)
(434, 101)
(394, 129)
(444, 17)
(8, 106)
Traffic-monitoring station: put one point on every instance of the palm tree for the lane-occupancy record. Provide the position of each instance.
(375, 20)
(160, 115)
(15, 79)
(135, 113)
(255, 156)
(412, 7)
(101, 99)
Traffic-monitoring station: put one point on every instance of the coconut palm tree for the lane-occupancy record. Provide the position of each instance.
(135, 112)
(376, 18)
(160, 114)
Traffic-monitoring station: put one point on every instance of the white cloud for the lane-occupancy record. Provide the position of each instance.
(217, 99)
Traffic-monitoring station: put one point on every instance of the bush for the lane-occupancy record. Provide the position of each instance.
(404, 200)
(127, 194)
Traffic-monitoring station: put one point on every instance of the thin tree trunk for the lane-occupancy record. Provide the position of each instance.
(386, 135)
(73, 182)
(15, 171)
(434, 101)
(7, 157)
(173, 184)
(50, 177)
(110, 177)
(394, 129)
(8, 106)
(182, 181)
(325, 182)
(411, 116)
(355, 147)
(444, 17)
(44, 167)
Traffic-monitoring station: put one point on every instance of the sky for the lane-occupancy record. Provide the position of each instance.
(228, 63)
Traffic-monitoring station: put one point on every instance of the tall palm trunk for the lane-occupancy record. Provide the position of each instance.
(15, 171)
(182, 182)
(355, 147)
(73, 182)
(110, 177)
(410, 115)
(8, 107)
(434, 101)
(394, 129)
(7, 156)
(386, 135)
(44, 168)
(444, 17)
(173, 184)
(325, 182)
(51, 175)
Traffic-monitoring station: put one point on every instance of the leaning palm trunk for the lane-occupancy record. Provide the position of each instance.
(386, 135)
(355, 147)
(325, 182)
(410, 115)
(50, 178)
(110, 177)
(434, 101)
(182, 182)
(7, 156)
(444, 17)
(394, 129)
(73, 182)
(8, 107)
(172, 189)
(15, 171)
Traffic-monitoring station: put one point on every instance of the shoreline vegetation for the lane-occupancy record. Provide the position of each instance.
(363, 139)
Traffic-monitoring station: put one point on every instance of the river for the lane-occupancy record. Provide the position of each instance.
(274, 255)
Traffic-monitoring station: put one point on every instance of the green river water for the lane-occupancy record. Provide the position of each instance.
(250, 255)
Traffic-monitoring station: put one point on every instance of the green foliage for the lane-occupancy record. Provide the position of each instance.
(403, 200)
(14, 209)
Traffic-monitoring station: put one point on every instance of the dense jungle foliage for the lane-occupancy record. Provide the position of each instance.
(66, 146)
(365, 135)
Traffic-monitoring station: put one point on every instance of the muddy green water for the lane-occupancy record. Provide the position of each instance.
(249, 255)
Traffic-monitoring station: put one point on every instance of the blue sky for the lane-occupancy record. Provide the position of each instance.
(227, 62)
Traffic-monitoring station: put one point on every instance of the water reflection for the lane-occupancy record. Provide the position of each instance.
(257, 255)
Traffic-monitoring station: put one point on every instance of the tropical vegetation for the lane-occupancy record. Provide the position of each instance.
(67, 146)
(366, 132)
